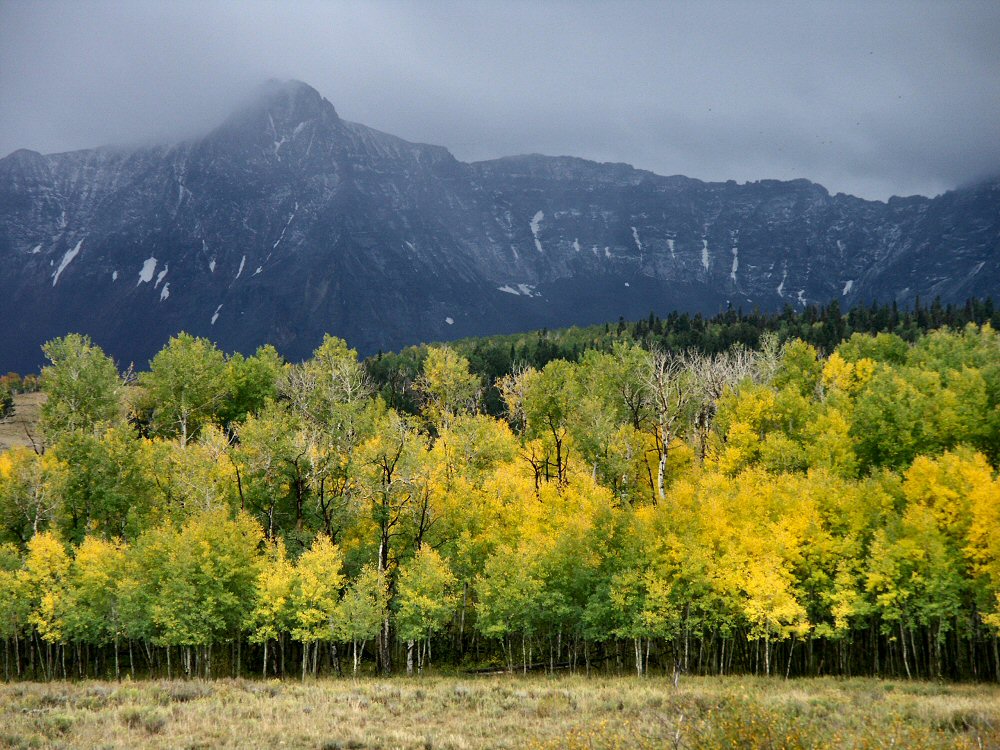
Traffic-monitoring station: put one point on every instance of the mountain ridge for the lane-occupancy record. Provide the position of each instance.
(286, 221)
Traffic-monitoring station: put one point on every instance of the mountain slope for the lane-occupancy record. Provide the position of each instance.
(286, 222)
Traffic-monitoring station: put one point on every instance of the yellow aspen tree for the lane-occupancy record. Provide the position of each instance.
(273, 612)
(315, 598)
(44, 580)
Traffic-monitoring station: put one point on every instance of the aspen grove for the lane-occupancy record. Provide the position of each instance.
(778, 510)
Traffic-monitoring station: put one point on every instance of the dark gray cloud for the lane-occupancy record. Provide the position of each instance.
(869, 98)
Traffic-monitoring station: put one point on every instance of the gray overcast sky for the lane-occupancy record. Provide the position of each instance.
(870, 98)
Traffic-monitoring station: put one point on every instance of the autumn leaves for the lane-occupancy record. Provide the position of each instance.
(775, 511)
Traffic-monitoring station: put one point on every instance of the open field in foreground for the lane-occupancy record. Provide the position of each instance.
(502, 712)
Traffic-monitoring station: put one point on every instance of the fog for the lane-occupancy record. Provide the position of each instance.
(873, 99)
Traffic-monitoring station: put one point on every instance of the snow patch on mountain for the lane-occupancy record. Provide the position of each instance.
(243, 262)
(704, 254)
(215, 315)
(847, 288)
(638, 242)
(285, 228)
(146, 273)
(165, 292)
(519, 290)
(66, 260)
(160, 275)
(536, 223)
(278, 142)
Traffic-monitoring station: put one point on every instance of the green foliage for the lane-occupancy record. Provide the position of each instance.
(205, 578)
(446, 385)
(104, 488)
(509, 596)
(82, 385)
(426, 595)
(316, 594)
(826, 504)
(250, 383)
(185, 386)
(363, 607)
(6, 400)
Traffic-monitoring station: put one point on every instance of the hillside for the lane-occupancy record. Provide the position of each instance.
(286, 222)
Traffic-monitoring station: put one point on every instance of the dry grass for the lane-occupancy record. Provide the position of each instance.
(16, 427)
(501, 712)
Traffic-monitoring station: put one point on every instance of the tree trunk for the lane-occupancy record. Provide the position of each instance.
(902, 638)
(384, 644)
(661, 471)
(461, 619)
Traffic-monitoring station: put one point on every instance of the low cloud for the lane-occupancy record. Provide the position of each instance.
(873, 99)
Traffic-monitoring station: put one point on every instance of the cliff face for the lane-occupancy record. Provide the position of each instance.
(287, 222)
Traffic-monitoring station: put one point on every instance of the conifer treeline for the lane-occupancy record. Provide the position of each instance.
(781, 509)
(823, 326)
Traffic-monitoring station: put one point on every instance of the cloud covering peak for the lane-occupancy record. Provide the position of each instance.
(872, 99)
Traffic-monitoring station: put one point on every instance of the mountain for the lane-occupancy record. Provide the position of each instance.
(286, 222)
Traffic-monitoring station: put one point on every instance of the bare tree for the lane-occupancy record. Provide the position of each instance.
(715, 374)
(513, 388)
(672, 389)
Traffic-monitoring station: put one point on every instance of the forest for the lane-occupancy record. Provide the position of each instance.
(816, 495)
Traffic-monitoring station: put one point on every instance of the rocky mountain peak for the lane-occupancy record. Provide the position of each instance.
(292, 102)
(277, 113)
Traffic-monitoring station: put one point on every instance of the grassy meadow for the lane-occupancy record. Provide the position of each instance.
(18, 428)
(501, 712)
